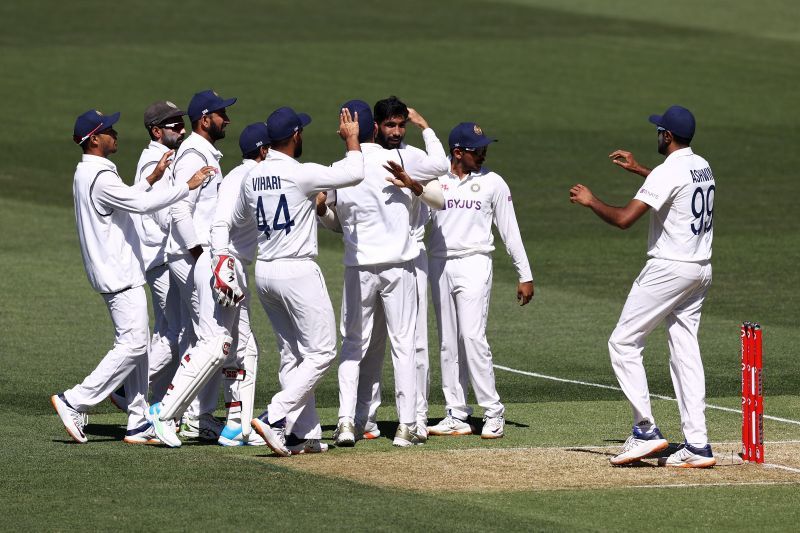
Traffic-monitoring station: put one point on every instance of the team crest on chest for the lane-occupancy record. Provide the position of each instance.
(475, 187)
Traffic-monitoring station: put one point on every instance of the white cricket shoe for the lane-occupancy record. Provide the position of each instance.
(405, 436)
(142, 435)
(232, 435)
(164, 429)
(204, 427)
(345, 434)
(273, 434)
(422, 430)
(450, 426)
(74, 421)
(639, 445)
(308, 446)
(493, 427)
(689, 456)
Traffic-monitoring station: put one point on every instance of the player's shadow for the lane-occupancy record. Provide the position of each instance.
(672, 448)
(112, 432)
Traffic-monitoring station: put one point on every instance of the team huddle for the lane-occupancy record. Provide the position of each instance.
(190, 236)
(188, 233)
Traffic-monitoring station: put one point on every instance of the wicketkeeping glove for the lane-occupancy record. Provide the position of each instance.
(226, 286)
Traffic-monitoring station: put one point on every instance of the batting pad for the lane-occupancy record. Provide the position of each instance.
(241, 385)
(197, 367)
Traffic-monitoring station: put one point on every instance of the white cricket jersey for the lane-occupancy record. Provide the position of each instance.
(239, 241)
(278, 197)
(464, 226)
(376, 216)
(191, 217)
(424, 166)
(108, 238)
(681, 191)
(152, 235)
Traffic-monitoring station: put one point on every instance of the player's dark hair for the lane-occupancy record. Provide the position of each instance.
(683, 141)
(150, 132)
(389, 107)
(253, 154)
(280, 143)
(194, 124)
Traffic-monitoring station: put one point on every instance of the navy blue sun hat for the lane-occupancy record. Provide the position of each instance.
(468, 135)
(366, 124)
(283, 122)
(206, 102)
(91, 122)
(676, 119)
(253, 137)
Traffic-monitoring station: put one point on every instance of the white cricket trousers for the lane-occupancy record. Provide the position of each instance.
(671, 291)
(461, 287)
(163, 358)
(369, 377)
(394, 288)
(295, 298)
(125, 364)
(215, 321)
(182, 268)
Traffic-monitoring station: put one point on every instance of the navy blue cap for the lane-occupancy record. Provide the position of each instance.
(676, 119)
(91, 122)
(206, 102)
(366, 124)
(468, 135)
(283, 122)
(253, 137)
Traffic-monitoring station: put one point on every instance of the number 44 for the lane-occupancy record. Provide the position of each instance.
(281, 212)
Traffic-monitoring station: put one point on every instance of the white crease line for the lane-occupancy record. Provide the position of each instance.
(611, 387)
(782, 467)
(721, 484)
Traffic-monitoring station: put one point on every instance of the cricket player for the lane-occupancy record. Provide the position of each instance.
(224, 309)
(679, 193)
(188, 238)
(461, 245)
(164, 123)
(113, 262)
(377, 220)
(392, 117)
(278, 197)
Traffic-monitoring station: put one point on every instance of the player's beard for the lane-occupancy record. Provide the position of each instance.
(298, 148)
(662, 145)
(216, 132)
(381, 139)
(172, 140)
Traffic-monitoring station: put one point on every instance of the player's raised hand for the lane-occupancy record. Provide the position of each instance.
(525, 292)
(580, 194)
(348, 125)
(200, 177)
(417, 119)
(401, 179)
(161, 167)
(625, 159)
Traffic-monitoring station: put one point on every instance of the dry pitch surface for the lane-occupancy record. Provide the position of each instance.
(538, 469)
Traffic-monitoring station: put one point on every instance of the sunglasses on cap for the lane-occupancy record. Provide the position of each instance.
(477, 151)
(175, 126)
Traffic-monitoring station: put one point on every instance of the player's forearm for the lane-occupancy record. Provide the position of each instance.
(137, 200)
(220, 238)
(609, 213)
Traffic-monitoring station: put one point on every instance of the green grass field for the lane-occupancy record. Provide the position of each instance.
(561, 83)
